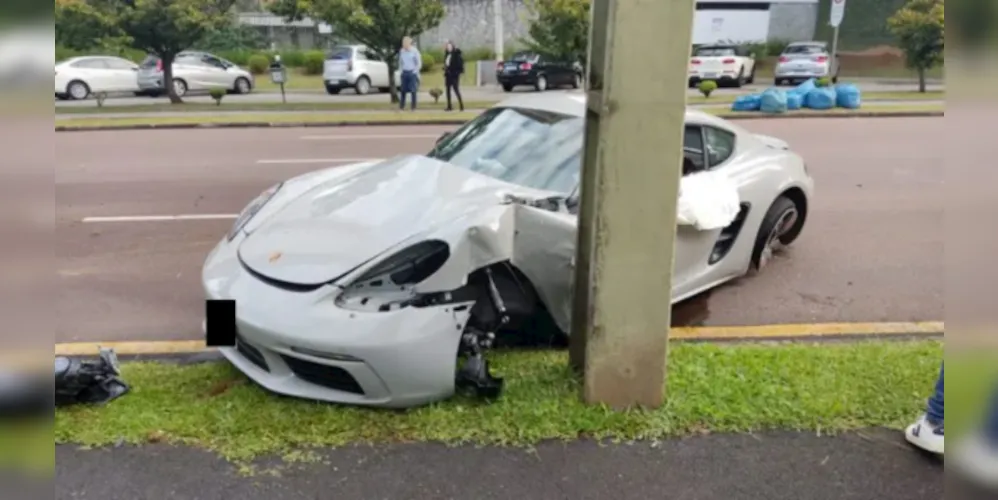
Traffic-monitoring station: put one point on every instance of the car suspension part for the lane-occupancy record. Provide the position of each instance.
(474, 373)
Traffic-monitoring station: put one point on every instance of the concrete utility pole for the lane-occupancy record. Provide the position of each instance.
(638, 58)
(497, 25)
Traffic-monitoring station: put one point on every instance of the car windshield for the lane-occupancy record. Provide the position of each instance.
(149, 62)
(715, 51)
(531, 148)
(804, 49)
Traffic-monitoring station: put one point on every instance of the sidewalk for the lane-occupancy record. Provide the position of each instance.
(870, 465)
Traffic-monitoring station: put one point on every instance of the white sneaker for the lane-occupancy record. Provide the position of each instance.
(925, 435)
(977, 461)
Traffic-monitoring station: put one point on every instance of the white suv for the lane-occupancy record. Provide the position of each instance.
(353, 66)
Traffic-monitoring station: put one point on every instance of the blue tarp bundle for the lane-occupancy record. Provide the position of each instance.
(820, 98)
(847, 96)
(794, 101)
(773, 101)
(747, 103)
(803, 89)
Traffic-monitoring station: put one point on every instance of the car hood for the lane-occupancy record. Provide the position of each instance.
(339, 224)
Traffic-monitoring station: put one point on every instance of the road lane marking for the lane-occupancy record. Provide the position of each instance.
(367, 137)
(159, 218)
(761, 332)
(314, 160)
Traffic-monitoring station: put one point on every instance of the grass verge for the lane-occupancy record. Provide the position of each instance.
(300, 81)
(234, 104)
(712, 388)
(423, 117)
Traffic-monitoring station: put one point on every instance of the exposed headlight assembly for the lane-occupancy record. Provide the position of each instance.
(252, 209)
(390, 283)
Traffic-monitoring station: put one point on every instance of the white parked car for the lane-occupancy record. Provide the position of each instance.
(354, 67)
(801, 61)
(197, 71)
(732, 65)
(363, 284)
(79, 77)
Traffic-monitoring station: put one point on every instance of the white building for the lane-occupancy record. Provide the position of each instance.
(750, 21)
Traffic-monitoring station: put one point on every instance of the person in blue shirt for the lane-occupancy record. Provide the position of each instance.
(410, 62)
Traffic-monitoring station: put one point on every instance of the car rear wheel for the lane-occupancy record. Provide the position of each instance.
(242, 86)
(179, 87)
(576, 81)
(779, 228)
(740, 79)
(363, 86)
(332, 90)
(507, 87)
(542, 83)
(777, 82)
(77, 90)
(751, 76)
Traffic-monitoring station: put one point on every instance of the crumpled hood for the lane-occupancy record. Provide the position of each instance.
(342, 223)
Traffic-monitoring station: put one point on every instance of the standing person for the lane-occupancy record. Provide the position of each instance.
(453, 69)
(410, 62)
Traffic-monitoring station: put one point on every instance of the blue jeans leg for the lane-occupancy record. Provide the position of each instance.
(991, 421)
(935, 408)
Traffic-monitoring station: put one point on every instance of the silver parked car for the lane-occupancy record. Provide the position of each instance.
(805, 60)
(362, 284)
(194, 71)
(354, 67)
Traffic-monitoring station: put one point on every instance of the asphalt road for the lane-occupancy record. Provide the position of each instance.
(872, 250)
(873, 465)
(469, 94)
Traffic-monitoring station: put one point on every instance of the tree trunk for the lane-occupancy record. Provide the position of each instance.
(168, 79)
(392, 87)
(921, 80)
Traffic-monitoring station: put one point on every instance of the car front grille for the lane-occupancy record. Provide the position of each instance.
(326, 376)
(252, 354)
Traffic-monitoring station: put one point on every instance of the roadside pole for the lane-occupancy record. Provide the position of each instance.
(498, 27)
(630, 181)
(838, 12)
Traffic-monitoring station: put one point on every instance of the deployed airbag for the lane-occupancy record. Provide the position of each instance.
(707, 200)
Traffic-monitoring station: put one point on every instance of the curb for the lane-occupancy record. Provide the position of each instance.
(416, 123)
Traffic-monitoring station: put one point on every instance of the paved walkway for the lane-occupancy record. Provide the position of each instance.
(872, 465)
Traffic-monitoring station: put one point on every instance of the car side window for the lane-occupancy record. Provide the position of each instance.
(90, 64)
(211, 61)
(693, 156)
(118, 64)
(720, 145)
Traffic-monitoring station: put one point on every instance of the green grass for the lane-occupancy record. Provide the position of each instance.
(712, 388)
(26, 446)
(359, 118)
(427, 103)
(300, 81)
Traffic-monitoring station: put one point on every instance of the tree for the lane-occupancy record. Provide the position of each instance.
(920, 29)
(560, 29)
(380, 25)
(163, 27)
(80, 26)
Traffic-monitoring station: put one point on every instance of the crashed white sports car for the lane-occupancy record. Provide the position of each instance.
(370, 284)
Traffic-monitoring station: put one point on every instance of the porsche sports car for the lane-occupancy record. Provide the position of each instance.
(382, 283)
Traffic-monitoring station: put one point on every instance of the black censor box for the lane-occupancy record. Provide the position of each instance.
(220, 323)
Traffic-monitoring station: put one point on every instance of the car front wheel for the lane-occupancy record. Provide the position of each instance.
(779, 228)
(78, 90)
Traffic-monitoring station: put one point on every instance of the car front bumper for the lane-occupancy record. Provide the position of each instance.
(302, 344)
(786, 74)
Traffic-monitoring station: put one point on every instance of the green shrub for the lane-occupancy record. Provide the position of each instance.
(313, 62)
(238, 57)
(823, 82)
(258, 64)
(428, 63)
(707, 87)
(63, 53)
(217, 93)
(292, 58)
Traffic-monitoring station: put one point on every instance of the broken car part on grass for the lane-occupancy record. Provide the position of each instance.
(80, 381)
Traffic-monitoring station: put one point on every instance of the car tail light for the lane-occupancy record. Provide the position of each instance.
(821, 59)
(784, 58)
(159, 66)
(695, 61)
(526, 66)
(728, 61)
(499, 65)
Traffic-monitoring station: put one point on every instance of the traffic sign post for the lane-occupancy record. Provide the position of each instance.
(835, 17)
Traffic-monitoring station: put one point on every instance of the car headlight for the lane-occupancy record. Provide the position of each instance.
(247, 214)
(389, 284)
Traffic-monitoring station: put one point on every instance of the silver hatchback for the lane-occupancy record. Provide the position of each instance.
(802, 61)
(194, 71)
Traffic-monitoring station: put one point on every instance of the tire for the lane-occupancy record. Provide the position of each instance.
(242, 86)
(751, 76)
(780, 227)
(383, 89)
(507, 87)
(61, 97)
(777, 82)
(77, 90)
(332, 90)
(740, 79)
(576, 81)
(363, 86)
(179, 87)
(541, 84)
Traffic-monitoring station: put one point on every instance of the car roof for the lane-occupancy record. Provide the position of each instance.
(805, 44)
(574, 104)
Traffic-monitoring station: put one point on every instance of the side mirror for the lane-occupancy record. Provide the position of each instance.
(443, 136)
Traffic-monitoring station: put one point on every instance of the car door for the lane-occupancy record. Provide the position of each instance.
(375, 68)
(96, 74)
(216, 72)
(125, 74)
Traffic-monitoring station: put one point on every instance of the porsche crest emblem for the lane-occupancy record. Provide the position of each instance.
(274, 257)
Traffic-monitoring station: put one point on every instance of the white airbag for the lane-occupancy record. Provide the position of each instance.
(707, 200)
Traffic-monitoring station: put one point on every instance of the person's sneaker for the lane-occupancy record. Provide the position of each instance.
(926, 435)
(977, 461)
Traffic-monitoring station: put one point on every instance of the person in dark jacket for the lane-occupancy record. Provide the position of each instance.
(453, 69)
